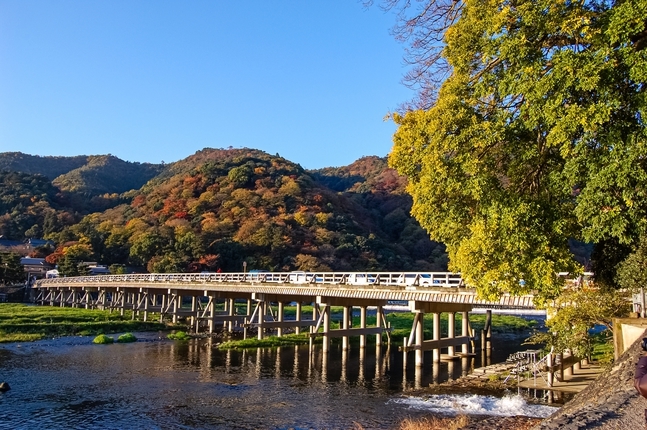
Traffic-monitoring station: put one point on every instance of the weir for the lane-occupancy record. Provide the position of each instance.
(248, 301)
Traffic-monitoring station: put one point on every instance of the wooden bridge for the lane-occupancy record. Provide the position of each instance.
(168, 294)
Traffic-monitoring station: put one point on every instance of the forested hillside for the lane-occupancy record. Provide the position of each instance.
(221, 207)
(30, 206)
(107, 174)
(94, 174)
(51, 167)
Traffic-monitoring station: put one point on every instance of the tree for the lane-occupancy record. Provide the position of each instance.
(632, 272)
(11, 271)
(535, 136)
(68, 266)
(575, 313)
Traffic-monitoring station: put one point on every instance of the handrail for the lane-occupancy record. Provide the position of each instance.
(394, 279)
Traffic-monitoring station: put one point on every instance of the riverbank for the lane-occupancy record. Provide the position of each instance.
(26, 323)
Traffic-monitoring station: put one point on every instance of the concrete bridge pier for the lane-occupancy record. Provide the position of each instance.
(436, 336)
(420, 337)
(362, 324)
(378, 324)
(194, 313)
(326, 329)
(347, 312)
(231, 313)
(451, 332)
(297, 318)
(279, 318)
(465, 331)
(249, 312)
(145, 294)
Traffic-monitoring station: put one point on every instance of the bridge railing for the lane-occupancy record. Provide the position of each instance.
(388, 279)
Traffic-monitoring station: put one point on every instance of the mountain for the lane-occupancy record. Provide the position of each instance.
(94, 174)
(107, 174)
(50, 167)
(220, 207)
(366, 175)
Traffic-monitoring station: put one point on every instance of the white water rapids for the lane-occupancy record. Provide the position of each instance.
(473, 404)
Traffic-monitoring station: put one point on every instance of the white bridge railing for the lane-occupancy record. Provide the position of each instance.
(388, 279)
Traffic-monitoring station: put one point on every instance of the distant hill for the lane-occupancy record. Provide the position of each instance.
(107, 174)
(48, 166)
(94, 174)
(368, 174)
(220, 207)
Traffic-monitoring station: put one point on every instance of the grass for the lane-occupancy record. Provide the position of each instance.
(401, 323)
(434, 423)
(103, 339)
(603, 351)
(268, 342)
(25, 323)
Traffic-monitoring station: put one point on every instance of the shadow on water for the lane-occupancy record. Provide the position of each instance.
(157, 383)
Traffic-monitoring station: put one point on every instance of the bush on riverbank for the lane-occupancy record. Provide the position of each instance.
(268, 342)
(102, 339)
(126, 338)
(25, 323)
(179, 335)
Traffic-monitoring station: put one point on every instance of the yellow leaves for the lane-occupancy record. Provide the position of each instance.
(303, 218)
(289, 187)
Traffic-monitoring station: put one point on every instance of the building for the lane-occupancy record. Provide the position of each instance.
(35, 267)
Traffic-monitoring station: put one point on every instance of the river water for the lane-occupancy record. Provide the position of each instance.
(155, 383)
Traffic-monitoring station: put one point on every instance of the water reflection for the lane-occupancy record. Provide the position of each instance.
(71, 383)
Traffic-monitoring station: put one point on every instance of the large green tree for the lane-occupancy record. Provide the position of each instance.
(535, 135)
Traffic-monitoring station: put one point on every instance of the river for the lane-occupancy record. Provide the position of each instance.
(156, 383)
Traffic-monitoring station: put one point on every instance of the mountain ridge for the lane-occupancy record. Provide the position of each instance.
(219, 207)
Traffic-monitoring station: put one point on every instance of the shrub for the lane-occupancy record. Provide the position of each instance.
(127, 337)
(179, 335)
(103, 339)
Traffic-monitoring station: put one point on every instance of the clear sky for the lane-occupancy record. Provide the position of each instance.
(158, 80)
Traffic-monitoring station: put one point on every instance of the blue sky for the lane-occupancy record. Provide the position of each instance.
(153, 81)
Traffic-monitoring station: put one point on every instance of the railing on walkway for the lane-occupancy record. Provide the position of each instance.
(388, 279)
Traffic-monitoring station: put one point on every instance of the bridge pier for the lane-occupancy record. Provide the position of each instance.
(436, 336)
(451, 332)
(416, 340)
(465, 331)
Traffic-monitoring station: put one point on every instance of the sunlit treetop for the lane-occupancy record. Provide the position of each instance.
(536, 134)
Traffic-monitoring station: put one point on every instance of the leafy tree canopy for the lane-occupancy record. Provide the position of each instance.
(536, 134)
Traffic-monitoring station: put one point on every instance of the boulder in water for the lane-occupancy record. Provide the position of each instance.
(4, 387)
